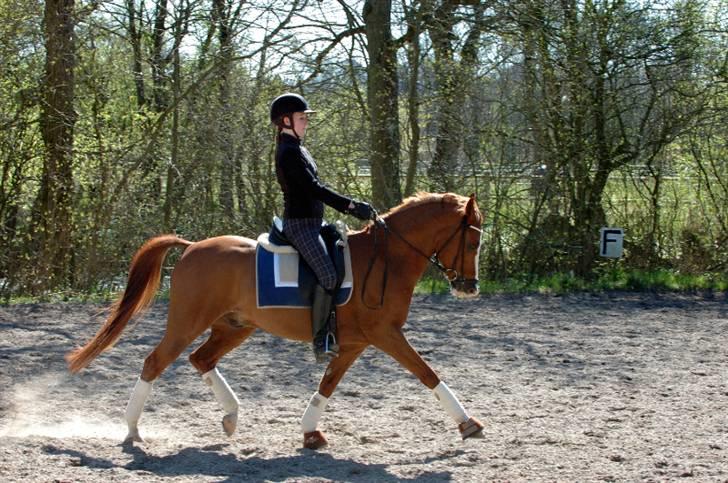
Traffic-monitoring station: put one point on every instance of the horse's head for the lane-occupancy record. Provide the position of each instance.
(444, 229)
(459, 253)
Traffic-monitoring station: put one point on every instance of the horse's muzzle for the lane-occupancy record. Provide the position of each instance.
(465, 287)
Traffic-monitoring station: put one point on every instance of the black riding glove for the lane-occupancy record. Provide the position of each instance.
(362, 210)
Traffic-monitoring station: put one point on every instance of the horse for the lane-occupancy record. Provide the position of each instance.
(213, 285)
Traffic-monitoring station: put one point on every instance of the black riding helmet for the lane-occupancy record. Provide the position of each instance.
(288, 103)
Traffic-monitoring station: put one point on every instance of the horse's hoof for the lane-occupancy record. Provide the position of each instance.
(133, 437)
(472, 428)
(314, 440)
(229, 423)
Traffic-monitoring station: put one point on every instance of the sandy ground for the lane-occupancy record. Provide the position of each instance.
(608, 387)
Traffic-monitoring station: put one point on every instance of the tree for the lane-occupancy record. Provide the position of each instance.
(562, 115)
(605, 93)
(53, 211)
(382, 100)
(453, 79)
(413, 17)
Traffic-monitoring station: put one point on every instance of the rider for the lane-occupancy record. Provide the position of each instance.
(304, 196)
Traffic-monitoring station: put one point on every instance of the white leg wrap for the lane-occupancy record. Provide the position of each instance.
(313, 412)
(136, 402)
(224, 395)
(450, 403)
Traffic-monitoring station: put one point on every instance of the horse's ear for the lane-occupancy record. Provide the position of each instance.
(471, 209)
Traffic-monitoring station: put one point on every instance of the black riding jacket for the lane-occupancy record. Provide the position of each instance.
(304, 194)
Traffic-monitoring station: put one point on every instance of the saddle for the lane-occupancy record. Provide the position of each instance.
(284, 279)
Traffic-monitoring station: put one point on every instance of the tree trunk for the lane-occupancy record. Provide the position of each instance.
(172, 169)
(227, 161)
(413, 59)
(53, 220)
(96, 265)
(382, 103)
(135, 37)
(159, 62)
(447, 137)
(453, 80)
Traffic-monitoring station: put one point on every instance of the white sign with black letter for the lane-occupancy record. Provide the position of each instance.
(610, 242)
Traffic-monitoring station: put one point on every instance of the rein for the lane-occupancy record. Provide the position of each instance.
(451, 274)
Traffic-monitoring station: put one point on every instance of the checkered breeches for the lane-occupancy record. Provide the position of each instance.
(303, 233)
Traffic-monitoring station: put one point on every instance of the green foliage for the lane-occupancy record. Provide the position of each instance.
(574, 117)
(611, 279)
(621, 279)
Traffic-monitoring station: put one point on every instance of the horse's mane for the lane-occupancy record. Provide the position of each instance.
(419, 199)
(422, 198)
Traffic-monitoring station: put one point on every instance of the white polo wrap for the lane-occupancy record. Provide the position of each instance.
(313, 412)
(224, 395)
(134, 408)
(450, 403)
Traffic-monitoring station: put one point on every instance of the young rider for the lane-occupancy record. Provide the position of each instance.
(304, 196)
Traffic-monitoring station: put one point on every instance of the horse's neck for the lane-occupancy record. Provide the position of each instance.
(421, 228)
(400, 260)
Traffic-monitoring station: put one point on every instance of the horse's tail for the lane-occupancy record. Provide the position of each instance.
(144, 276)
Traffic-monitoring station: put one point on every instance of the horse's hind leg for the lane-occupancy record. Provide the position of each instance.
(170, 347)
(226, 335)
(184, 324)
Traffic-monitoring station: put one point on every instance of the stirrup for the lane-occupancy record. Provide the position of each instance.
(322, 357)
(330, 345)
(326, 349)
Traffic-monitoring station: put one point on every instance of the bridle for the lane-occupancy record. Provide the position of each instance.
(457, 281)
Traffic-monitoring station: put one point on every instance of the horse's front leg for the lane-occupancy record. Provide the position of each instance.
(394, 343)
(312, 437)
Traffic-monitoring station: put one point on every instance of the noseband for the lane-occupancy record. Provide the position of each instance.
(457, 281)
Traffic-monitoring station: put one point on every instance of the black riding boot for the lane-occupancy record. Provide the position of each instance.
(323, 318)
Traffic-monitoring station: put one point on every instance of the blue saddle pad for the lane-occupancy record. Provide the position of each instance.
(279, 287)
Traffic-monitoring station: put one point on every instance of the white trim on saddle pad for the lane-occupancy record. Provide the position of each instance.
(271, 247)
(285, 259)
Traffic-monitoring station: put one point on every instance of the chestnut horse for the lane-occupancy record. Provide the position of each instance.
(213, 286)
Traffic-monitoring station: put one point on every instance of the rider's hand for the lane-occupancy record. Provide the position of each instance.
(362, 210)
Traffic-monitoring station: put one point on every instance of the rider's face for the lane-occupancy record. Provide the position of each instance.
(300, 123)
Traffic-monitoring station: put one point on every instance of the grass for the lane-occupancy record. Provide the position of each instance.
(61, 297)
(614, 279)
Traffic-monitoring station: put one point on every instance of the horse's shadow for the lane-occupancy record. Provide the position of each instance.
(209, 461)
